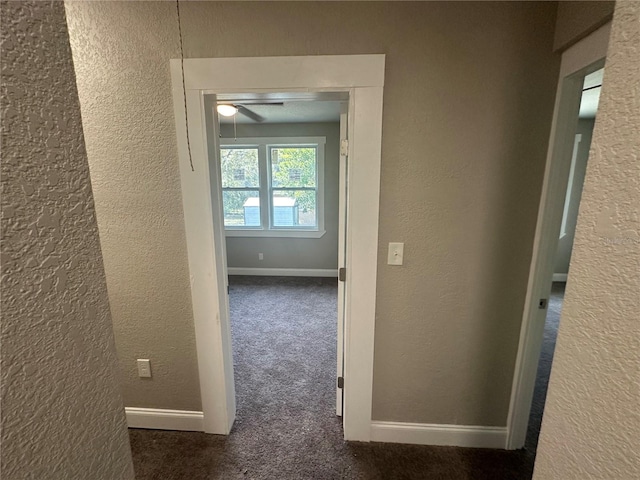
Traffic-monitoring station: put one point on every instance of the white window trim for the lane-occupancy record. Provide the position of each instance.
(268, 230)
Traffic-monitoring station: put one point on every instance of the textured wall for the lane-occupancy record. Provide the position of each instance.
(468, 103)
(591, 426)
(577, 19)
(294, 252)
(62, 413)
(122, 66)
(565, 243)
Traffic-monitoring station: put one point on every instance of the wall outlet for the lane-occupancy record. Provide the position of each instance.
(261, 256)
(144, 368)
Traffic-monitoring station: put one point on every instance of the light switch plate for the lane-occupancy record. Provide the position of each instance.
(396, 253)
(144, 368)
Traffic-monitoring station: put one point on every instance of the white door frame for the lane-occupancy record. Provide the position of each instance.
(363, 77)
(581, 59)
(342, 238)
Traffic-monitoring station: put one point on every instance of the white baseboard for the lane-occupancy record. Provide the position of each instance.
(560, 277)
(162, 419)
(284, 272)
(435, 434)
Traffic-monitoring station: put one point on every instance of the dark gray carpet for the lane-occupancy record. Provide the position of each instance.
(544, 364)
(284, 354)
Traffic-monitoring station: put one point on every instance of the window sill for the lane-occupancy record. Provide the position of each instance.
(275, 233)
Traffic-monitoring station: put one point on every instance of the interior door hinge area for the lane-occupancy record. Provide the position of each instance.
(342, 274)
(542, 304)
(344, 147)
(340, 382)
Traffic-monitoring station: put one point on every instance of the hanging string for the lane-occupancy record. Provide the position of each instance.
(184, 87)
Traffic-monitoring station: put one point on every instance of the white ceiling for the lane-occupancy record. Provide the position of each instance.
(290, 112)
(591, 98)
(287, 107)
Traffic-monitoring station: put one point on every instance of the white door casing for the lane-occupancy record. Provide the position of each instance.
(342, 222)
(582, 58)
(363, 77)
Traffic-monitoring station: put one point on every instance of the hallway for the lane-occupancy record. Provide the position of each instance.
(286, 428)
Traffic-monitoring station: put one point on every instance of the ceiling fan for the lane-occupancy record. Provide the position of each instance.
(231, 109)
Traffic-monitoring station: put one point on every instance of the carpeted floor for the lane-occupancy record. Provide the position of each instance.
(286, 428)
(544, 364)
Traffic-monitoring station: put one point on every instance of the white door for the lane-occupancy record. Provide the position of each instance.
(582, 58)
(342, 222)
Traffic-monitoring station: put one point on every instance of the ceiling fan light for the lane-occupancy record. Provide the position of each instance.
(227, 110)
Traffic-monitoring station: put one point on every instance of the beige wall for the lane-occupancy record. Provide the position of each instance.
(121, 56)
(62, 414)
(591, 426)
(294, 252)
(577, 19)
(468, 103)
(565, 243)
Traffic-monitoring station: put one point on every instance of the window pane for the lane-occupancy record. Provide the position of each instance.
(239, 167)
(294, 208)
(293, 167)
(241, 208)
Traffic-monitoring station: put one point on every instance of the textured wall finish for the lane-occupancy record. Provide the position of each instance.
(122, 66)
(62, 413)
(591, 426)
(294, 252)
(469, 91)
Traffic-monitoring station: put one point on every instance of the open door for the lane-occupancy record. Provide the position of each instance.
(342, 233)
(583, 58)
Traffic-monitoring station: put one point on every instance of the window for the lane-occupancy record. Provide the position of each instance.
(273, 186)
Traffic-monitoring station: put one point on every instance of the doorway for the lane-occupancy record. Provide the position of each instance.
(579, 158)
(196, 84)
(283, 189)
(560, 197)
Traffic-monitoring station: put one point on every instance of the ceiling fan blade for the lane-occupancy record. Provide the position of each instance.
(253, 103)
(250, 114)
